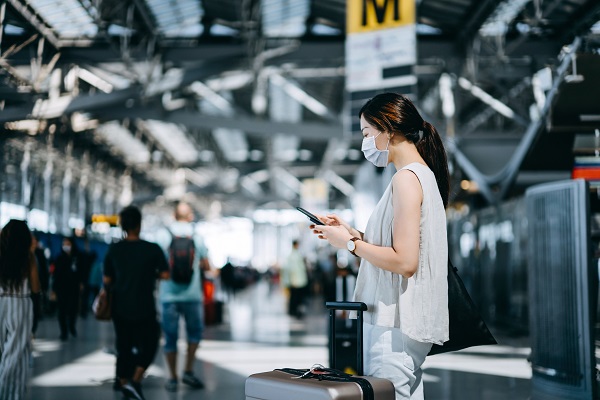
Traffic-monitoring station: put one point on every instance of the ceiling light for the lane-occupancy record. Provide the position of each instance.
(173, 139)
(285, 147)
(232, 143)
(122, 141)
(504, 14)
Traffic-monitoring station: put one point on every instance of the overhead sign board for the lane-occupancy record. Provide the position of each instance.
(373, 15)
(381, 50)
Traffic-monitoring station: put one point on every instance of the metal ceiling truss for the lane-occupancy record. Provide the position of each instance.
(168, 76)
(495, 188)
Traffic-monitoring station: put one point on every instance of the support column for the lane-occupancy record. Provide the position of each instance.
(25, 184)
(66, 199)
(47, 175)
(109, 201)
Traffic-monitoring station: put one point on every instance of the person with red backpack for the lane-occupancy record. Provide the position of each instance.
(181, 295)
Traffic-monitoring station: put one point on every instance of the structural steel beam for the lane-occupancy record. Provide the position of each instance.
(484, 9)
(506, 177)
(251, 125)
(35, 22)
(45, 109)
(146, 16)
(583, 20)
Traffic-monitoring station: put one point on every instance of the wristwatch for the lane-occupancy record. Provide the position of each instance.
(351, 245)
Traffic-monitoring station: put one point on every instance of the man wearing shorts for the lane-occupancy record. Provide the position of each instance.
(184, 300)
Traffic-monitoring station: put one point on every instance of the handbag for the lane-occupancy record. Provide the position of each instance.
(102, 306)
(465, 323)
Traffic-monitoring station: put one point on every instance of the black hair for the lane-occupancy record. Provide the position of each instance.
(130, 218)
(15, 254)
(395, 113)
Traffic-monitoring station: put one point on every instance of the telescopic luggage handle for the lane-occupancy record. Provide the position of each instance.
(359, 307)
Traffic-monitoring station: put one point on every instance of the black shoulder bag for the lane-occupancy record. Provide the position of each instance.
(466, 326)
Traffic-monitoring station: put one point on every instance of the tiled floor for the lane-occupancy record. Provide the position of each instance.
(258, 336)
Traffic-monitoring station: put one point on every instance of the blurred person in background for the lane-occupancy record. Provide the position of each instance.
(131, 269)
(181, 295)
(43, 271)
(18, 281)
(296, 279)
(96, 277)
(67, 287)
(87, 258)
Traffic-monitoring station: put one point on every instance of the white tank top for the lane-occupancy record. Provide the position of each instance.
(418, 305)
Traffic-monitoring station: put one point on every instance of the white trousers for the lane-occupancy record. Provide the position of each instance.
(390, 354)
(16, 320)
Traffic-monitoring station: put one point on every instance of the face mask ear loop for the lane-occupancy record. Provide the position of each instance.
(375, 143)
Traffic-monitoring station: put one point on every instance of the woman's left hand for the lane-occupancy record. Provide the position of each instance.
(336, 235)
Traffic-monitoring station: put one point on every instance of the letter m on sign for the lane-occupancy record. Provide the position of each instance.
(380, 11)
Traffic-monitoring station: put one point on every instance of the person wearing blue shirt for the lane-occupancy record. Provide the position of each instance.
(184, 300)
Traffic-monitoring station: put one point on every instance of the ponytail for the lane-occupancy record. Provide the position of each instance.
(392, 112)
(431, 148)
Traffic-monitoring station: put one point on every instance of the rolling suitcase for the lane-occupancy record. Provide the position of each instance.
(320, 383)
(345, 340)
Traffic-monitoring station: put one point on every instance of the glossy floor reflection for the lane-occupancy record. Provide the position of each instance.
(256, 335)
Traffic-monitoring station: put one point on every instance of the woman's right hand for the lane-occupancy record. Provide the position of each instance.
(332, 220)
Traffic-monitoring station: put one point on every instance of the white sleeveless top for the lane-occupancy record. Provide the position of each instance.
(418, 305)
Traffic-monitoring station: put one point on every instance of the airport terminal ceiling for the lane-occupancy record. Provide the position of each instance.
(240, 100)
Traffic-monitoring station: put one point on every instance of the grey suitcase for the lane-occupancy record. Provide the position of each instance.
(321, 383)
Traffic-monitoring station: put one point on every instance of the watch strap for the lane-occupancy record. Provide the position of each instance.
(354, 239)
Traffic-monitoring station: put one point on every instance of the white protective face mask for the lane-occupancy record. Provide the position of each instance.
(379, 158)
(66, 249)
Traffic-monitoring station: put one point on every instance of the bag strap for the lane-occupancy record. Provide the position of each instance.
(332, 375)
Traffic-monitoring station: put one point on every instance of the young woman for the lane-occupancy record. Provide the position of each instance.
(404, 249)
(18, 280)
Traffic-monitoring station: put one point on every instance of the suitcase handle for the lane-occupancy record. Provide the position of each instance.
(359, 307)
(346, 305)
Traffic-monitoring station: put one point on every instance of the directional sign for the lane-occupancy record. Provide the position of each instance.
(381, 50)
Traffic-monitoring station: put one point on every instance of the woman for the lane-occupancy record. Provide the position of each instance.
(18, 280)
(404, 249)
(67, 286)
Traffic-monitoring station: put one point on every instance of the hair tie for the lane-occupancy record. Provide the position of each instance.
(420, 134)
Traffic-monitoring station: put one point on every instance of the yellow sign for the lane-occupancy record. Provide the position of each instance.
(372, 15)
(112, 220)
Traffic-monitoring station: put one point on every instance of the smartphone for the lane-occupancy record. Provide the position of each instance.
(310, 216)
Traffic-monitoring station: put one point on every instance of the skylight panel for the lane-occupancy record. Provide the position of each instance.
(285, 18)
(173, 139)
(121, 140)
(68, 18)
(596, 28)
(177, 18)
(497, 24)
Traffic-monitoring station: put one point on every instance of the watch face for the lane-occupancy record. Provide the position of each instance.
(351, 245)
